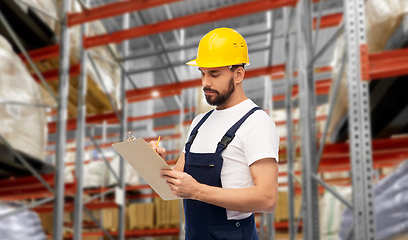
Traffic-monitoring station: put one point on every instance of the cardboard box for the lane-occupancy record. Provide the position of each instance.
(167, 213)
(282, 207)
(141, 216)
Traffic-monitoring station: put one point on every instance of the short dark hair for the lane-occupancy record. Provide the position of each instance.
(234, 67)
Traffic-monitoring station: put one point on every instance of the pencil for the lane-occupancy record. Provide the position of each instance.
(158, 140)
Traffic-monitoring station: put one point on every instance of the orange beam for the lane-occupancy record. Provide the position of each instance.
(388, 64)
(331, 20)
(187, 21)
(318, 118)
(70, 207)
(110, 118)
(113, 9)
(41, 54)
(130, 233)
(53, 75)
(322, 88)
(187, 122)
(197, 82)
(164, 94)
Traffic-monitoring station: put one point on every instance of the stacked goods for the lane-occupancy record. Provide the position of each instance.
(167, 213)
(141, 216)
(131, 176)
(282, 207)
(46, 222)
(110, 217)
(96, 100)
(390, 206)
(382, 18)
(23, 126)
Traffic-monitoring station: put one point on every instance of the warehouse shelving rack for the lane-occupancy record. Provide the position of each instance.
(366, 67)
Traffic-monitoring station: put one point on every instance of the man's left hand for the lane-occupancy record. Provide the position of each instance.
(181, 184)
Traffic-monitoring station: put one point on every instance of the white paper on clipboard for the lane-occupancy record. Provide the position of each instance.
(148, 163)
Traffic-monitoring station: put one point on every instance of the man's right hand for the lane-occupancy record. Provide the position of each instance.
(161, 151)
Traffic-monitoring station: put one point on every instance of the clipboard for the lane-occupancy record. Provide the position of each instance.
(148, 163)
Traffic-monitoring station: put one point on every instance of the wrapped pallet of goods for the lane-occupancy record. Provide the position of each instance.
(23, 124)
(390, 206)
(105, 80)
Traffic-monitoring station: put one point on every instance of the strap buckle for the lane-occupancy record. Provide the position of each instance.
(226, 140)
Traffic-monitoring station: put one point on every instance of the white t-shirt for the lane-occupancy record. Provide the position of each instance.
(256, 139)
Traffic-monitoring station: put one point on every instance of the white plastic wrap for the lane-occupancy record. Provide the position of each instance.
(330, 211)
(24, 127)
(382, 18)
(109, 73)
(131, 176)
(95, 174)
(23, 225)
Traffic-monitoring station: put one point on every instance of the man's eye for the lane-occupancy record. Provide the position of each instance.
(214, 76)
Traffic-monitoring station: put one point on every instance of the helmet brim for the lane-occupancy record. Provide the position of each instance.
(192, 63)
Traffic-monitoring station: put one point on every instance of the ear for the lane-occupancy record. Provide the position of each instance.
(239, 75)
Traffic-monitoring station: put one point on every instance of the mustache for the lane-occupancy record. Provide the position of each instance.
(207, 89)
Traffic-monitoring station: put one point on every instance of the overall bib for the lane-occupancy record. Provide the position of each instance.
(206, 221)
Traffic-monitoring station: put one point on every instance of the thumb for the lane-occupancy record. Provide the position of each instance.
(153, 145)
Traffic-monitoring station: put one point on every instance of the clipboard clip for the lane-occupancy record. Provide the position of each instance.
(130, 137)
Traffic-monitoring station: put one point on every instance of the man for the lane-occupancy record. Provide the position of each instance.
(228, 169)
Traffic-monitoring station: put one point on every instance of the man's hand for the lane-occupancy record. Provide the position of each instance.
(181, 184)
(161, 151)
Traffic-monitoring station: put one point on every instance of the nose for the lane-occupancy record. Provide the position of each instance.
(206, 81)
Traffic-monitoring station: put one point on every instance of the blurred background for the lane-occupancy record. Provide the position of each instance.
(77, 75)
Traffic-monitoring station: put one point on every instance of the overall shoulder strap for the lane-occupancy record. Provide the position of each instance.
(195, 130)
(229, 136)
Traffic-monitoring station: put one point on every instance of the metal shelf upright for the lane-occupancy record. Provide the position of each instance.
(358, 72)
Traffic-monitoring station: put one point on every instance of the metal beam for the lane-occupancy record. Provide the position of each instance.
(188, 21)
(89, 213)
(80, 137)
(332, 191)
(113, 9)
(104, 158)
(41, 54)
(22, 209)
(289, 63)
(388, 64)
(359, 120)
(308, 124)
(111, 119)
(52, 75)
(123, 131)
(63, 87)
(263, 71)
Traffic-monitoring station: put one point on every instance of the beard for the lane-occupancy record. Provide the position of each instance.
(219, 99)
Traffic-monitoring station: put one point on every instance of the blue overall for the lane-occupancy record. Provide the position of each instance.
(206, 221)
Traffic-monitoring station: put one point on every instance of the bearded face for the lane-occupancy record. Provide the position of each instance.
(215, 98)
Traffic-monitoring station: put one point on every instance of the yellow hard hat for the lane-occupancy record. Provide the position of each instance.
(221, 47)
